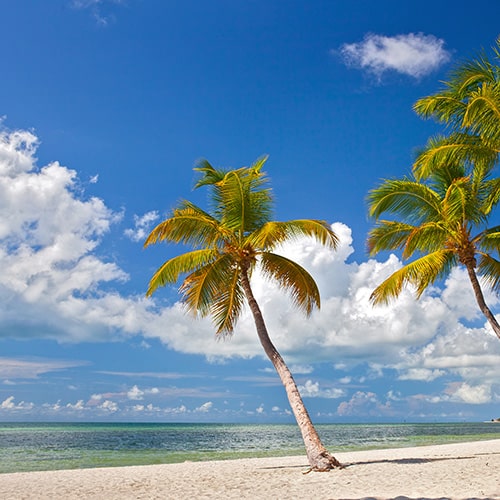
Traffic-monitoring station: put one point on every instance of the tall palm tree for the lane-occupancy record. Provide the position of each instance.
(442, 222)
(228, 244)
(469, 105)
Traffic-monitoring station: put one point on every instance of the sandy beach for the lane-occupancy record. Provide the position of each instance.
(451, 471)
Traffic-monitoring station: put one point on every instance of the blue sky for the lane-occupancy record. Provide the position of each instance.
(106, 107)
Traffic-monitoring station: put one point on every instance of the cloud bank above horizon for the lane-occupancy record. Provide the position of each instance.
(57, 285)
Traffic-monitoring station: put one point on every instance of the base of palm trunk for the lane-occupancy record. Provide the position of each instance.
(324, 462)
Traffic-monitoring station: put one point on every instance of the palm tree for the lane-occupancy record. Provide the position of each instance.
(442, 222)
(228, 244)
(469, 105)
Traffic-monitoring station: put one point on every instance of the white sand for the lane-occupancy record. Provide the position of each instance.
(451, 471)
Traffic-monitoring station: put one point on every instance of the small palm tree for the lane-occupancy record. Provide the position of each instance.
(442, 222)
(228, 244)
(469, 105)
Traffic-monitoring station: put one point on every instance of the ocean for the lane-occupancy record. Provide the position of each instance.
(51, 446)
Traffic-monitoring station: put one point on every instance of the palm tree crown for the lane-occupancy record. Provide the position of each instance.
(233, 238)
(442, 223)
(469, 105)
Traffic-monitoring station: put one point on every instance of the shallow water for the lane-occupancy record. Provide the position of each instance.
(45, 446)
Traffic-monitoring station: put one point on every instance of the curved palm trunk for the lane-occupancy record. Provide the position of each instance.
(319, 458)
(480, 299)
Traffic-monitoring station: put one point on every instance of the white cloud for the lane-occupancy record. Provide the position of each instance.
(79, 405)
(312, 390)
(204, 408)
(413, 54)
(52, 279)
(109, 406)
(8, 404)
(142, 226)
(465, 393)
(135, 393)
(363, 404)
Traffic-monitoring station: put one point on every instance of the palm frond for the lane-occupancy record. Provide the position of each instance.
(273, 234)
(189, 225)
(454, 153)
(482, 115)
(489, 192)
(388, 235)
(243, 199)
(210, 175)
(292, 277)
(172, 269)
(227, 305)
(201, 288)
(489, 239)
(489, 269)
(449, 104)
(455, 201)
(409, 199)
(419, 273)
(441, 106)
(426, 238)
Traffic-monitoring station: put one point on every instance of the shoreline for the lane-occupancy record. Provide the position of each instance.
(455, 471)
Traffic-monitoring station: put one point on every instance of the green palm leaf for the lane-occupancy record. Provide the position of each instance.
(388, 235)
(189, 225)
(273, 234)
(489, 240)
(210, 175)
(483, 112)
(412, 200)
(420, 273)
(453, 152)
(228, 303)
(202, 287)
(292, 277)
(489, 269)
(172, 269)
(244, 203)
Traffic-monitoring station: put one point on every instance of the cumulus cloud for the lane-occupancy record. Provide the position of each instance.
(79, 405)
(466, 393)
(52, 279)
(9, 404)
(312, 390)
(109, 406)
(413, 54)
(135, 393)
(205, 407)
(363, 404)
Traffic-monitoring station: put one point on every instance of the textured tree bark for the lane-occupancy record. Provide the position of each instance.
(480, 299)
(319, 458)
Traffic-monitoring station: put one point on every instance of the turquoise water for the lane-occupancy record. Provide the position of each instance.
(43, 446)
